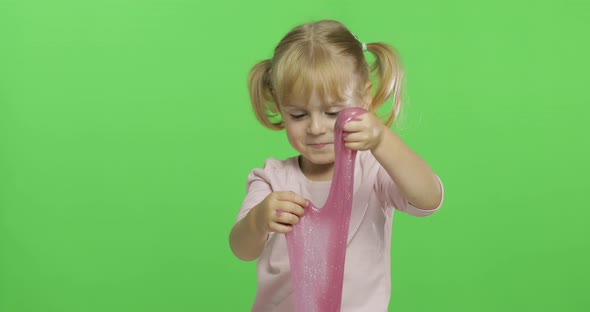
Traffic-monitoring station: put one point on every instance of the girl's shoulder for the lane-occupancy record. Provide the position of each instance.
(275, 170)
(274, 164)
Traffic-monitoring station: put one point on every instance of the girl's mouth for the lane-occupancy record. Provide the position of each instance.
(319, 145)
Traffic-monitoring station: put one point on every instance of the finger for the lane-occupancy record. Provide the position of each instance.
(356, 120)
(357, 137)
(287, 218)
(280, 228)
(297, 210)
(357, 146)
(293, 197)
(354, 126)
(291, 207)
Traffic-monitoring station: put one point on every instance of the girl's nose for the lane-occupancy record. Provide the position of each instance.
(317, 126)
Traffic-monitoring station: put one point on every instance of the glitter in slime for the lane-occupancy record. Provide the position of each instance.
(317, 244)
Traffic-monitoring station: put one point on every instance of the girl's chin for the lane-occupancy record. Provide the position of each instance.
(319, 160)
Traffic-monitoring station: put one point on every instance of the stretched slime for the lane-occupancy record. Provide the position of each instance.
(317, 244)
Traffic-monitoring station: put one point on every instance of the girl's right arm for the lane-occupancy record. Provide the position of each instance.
(278, 212)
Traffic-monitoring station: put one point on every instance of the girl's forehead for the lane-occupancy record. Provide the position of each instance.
(320, 97)
(302, 80)
(315, 101)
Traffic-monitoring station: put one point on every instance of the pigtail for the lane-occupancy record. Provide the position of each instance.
(389, 72)
(261, 96)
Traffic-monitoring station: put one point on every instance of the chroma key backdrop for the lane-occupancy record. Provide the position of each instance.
(126, 136)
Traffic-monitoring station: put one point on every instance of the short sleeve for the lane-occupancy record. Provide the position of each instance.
(257, 187)
(389, 193)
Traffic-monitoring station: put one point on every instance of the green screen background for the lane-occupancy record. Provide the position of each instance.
(126, 137)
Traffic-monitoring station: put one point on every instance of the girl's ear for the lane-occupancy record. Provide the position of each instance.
(368, 96)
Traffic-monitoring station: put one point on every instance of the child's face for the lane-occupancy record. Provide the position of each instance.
(309, 124)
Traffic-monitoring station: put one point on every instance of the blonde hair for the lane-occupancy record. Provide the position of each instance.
(309, 59)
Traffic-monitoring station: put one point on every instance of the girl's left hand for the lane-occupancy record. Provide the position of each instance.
(365, 132)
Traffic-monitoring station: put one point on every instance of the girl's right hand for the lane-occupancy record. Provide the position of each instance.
(279, 211)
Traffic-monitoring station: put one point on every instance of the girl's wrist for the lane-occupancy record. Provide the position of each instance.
(380, 138)
(253, 223)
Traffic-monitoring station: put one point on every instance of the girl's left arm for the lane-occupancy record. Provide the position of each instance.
(410, 173)
(414, 177)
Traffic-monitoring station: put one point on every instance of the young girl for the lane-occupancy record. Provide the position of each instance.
(317, 70)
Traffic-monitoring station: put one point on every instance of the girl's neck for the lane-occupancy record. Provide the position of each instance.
(316, 172)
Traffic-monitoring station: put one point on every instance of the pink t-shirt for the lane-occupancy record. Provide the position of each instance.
(367, 280)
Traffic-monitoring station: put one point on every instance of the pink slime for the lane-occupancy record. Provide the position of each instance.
(317, 244)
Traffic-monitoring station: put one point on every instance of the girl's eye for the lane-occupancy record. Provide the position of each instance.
(297, 116)
(332, 114)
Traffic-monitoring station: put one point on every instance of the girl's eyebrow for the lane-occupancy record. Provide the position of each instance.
(338, 103)
(291, 107)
